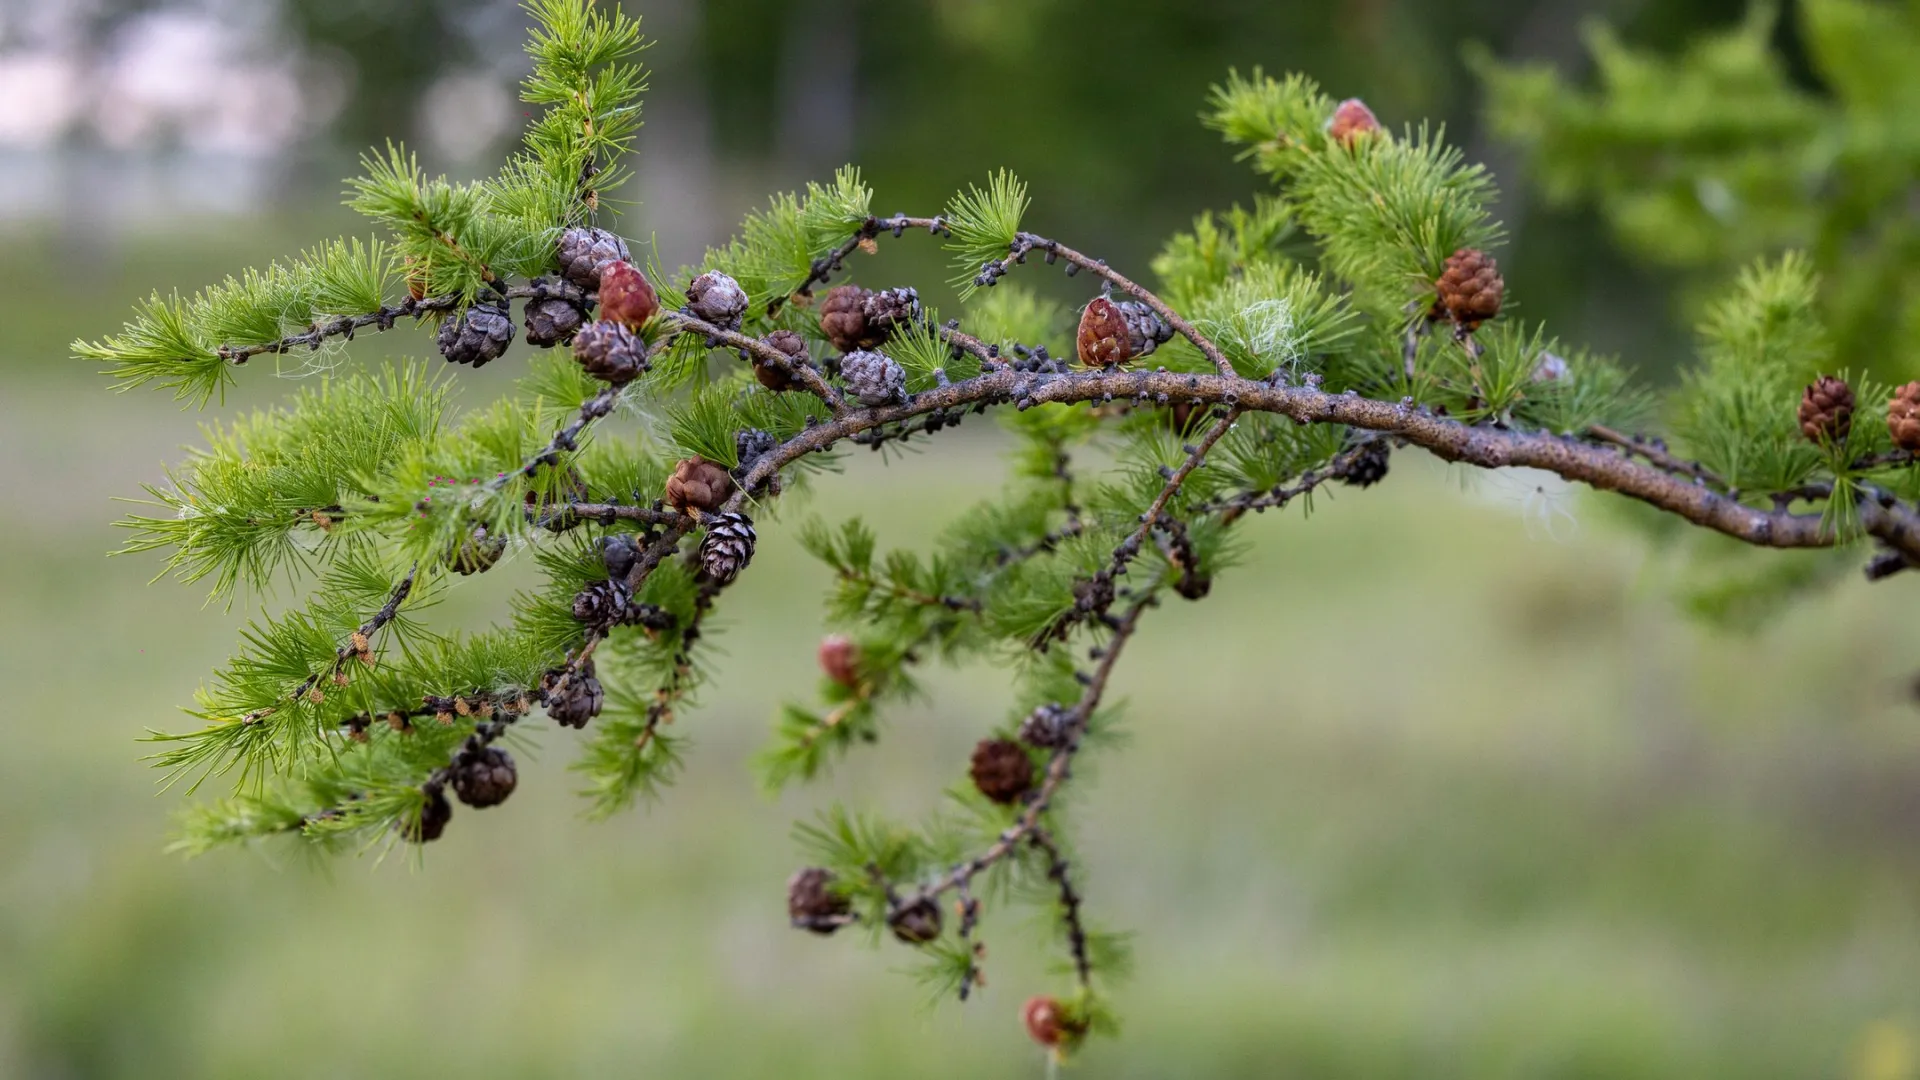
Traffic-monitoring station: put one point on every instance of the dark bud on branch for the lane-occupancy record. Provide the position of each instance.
(1469, 290)
(718, 299)
(626, 296)
(1903, 417)
(698, 484)
(1002, 770)
(917, 923)
(873, 378)
(1826, 411)
(1113, 332)
(812, 904)
(435, 812)
(750, 445)
(840, 659)
(727, 548)
(484, 777)
(610, 352)
(585, 252)
(619, 554)
(478, 335)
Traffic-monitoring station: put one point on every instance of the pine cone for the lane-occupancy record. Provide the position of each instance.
(484, 778)
(917, 923)
(1047, 727)
(619, 554)
(1826, 411)
(1114, 332)
(1470, 289)
(889, 310)
(812, 904)
(840, 658)
(1002, 770)
(843, 318)
(585, 252)
(789, 343)
(717, 299)
(435, 812)
(626, 296)
(610, 352)
(698, 484)
(727, 548)
(1049, 1023)
(478, 335)
(1903, 417)
(873, 378)
(750, 445)
(578, 702)
(552, 320)
(477, 553)
(1369, 466)
(602, 604)
(1351, 121)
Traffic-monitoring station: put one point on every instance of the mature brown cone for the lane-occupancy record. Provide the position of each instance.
(1826, 411)
(485, 778)
(626, 296)
(838, 658)
(1103, 340)
(775, 378)
(1002, 770)
(1351, 120)
(1470, 288)
(698, 484)
(811, 902)
(1903, 417)
(843, 318)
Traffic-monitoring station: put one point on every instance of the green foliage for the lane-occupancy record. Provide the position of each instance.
(264, 494)
(1710, 158)
(777, 248)
(1760, 346)
(984, 223)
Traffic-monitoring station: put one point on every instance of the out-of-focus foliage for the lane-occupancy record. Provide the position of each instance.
(1705, 157)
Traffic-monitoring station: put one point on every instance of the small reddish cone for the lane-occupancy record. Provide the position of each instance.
(1046, 1021)
(626, 296)
(1470, 289)
(1826, 411)
(1351, 121)
(838, 657)
(1903, 417)
(1103, 340)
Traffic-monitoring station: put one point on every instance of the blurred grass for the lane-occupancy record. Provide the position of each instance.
(1419, 792)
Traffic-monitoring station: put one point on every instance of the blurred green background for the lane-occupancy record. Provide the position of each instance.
(1440, 786)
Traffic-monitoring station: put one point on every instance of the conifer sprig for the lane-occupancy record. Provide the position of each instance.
(1297, 345)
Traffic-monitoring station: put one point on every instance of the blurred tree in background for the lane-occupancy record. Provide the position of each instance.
(1701, 159)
